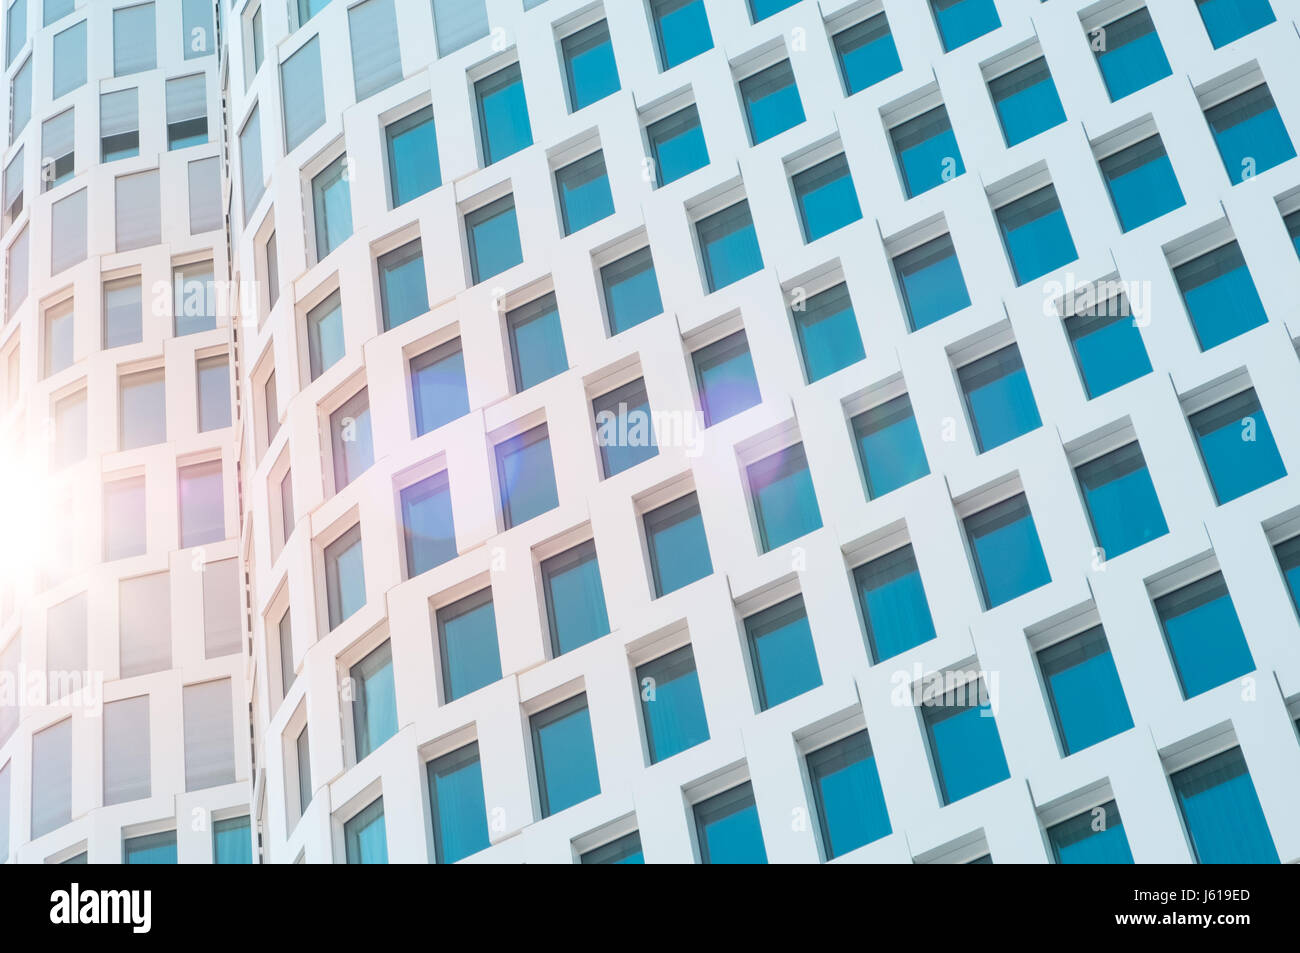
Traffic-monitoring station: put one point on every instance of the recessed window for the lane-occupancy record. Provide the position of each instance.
(150, 849)
(332, 206)
(252, 178)
(365, 836)
(325, 335)
(729, 245)
(351, 439)
(585, 197)
(1129, 53)
(1237, 446)
(964, 741)
(187, 111)
(931, 281)
(889, 446)
(624, 428)
(1008, 556)
(427, 525)
(681, 29)
(564, 755)
(1036, 235)
(70, 431)
(589, 65)
(119, 125)
(1250, 134)
(679, 549)
(1288, 559)
(849, 800)
(287, 515)
(771, 101)
(677, 145)
(502, 114)
(1084, 689)
(1107, 346)
(575, 598)
(222, 604)
(998, 398)
(672, 708)
(126, 750)
(412, 144)
(867, 54)
(376, 48)
(1292, 223)
(142, 406)
(271, 256)
(1121, 500)
(459, 23)
(493, 235)
(209, 734)
(202, 504)
(625, 850)
(59, 326)
(402, 291)
(51, 778)
(69, 59)
(232, 841)
(1142, 183)
(196, 298)
(457, 804)
(214, 393)
(536, 342)
(374, 702)
(438, 386)
(1026, 101)
(124, 519)
(827, 327)
(302, 748)
(123, 312)
(782, 652)
(1228, 20)
(20, 95)
(526, 476)
(284, 633)
(927, 152)
(826, 198)
(137, 214)
(1220, 295)
(961, 21)
(724, 374)
(1221, 812)
(727, 828)
(895, 611)
(300, 84)
(1093, 837)
(467, 645)
(257, 40)
(345, 577)
(1204, 635)
(135, 47)
(785, 504)
(58, 149)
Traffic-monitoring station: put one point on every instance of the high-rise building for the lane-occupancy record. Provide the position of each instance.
(681, 431)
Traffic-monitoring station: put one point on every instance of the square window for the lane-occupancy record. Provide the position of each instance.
(849, 800)
(325, 335)
(1288, 559)
(827, 327)
(1249, 133)
(1107, 346)
(961, 21)
(1220, 296)
(202, 504)
(724, 375)
(931, 281)
(365, 837)
(1026, 101)
(124, 519)
(1093, 837)
(142, 405)
(502, 114)
(677, 145)
(438, 387)
(672, 708)
(214, 393)
(1121, 500)
(771, 101)
(493, 235)
(345, 577)
(1204, 635)
(785, 504)
(589, 65)
(457, 804)
(895, 611)
(412, 145)
(1142, 183)
(889, 446)
(467, 644)
(1228, 20)
(1036, 235)
(1084, 689)
(927, 151)
(575, 598)
(374, 702)
(585, 197)
(826, 198)
(565, 755)
(123, 313)
(332, 204)
(631, 291)
(1129, 54)
(351, 440)
(998, 398)
(727, 828)
(428, 527)
(1237, 446)
(729, 246)
(625, 850)
(536, 342)
(1008, 556)
(624, 428)
(782, 652)
(682, 30)
(1221, 812)
(964, 742)
(150, 849)
(526, 476)
(402, 291)
(867, 54)
(679, 549)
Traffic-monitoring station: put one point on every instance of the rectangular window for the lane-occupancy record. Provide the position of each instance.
(332, 206)
(222, 600)
(66, 645)
(187, 111)
(1142, 183)
(345, 577)
(492, 232)
(308, 9)
(202, 507)
(1084, 690)
(575, 599)
(1008, 556)
(961, 21)
(232, 841)
(1093, 837)
(257, 39)
(782, 653)
(57, 9)
(1250, 134)
(287, 517)
(1228, 20)
(209, 735)
(135, 47)
(1204, 635)
(785, 504)
(13, 188)
(374, 702)
(889, 446)
(376, 51)
(150, 849)
(438, 386)
(771, 101)
(143, 410)
(427, 524)
(584, 192)
(762, 9)
(325, 335)
(827, 327)
(1107, 346)
(351, 439)
(144, 625)
(589, 65)
(849, 800)
(729, 246)
(625, 850)
(10, 659)
(402, 291)
(1221, 812)
(565, 755)
(631, 291)
(1220, 295)
(272, 256)
(20, 97)
(197, 33)
(124, 519)
(137, 210)
(681, 30)
(51, 776)
(60, 323)
(672, 708)
(58, 148)
(998, 398)
(457, 804)
(926, 150)
(931, 281)
(1036, 235)
(1237, 446)
(964, 742)
(866, 53)
(15, 30)
(302, 748)
(724, 376)
(1288, 559)
(502, 114)
(365, 837)
(624, 428)
(214, 393)
(526, 476)
(1292, 223)
(826, 198)
(1026, 101)
(412, 146)
(19, 265)
(1121, 500)
(300, 84)
(677, 145)
(459, 23)
(126, 750)
(467, 644)
(679, 549)
(1129, 53)
(250, 162)
(123, 312)
(895, 611)
(288, 674)
(68, 232)
(727, 828)
(204, 181)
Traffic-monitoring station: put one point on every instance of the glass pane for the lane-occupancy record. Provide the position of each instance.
(677, 145)
(1237, 446)
(1036, 235)
(781, 649)
(728, 830)
(1121, 500)
(961, 21)
(1220, 296)
(1129, 54)
(365, 836)
(1222, 812)
(724, 373)
(672, 708)
(867, 54)
(931, 281)
(1026, 101)
(1107, 346)
(771, 101)
(458, 805)
(679, 550)
(526, 476)
(894, 607)
(850, 802)
(565, 755)
(467, 639)
(682, 27)
(493, 233)
(1204, 634)
(402, 291)
(999, 398)
(1142, 183)
(964, 742)
(374, 704)
(232, 841)
(889, 446)
(625, 850)
(585, 197)
(575, 598)
(1008, 555)
(1084, 690)
(624, 428)
(413, 156)
(438, 387)
(729, 245)
(927, 151)
(631, 291)
(827, 198)
(1095, 837)
(784, 501)
(589, 63)
(503, 114)
(427, 524)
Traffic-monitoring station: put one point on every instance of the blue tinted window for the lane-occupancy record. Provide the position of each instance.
(374, 702)
(1249, 133)
(332, 203)
(1222, 813)
(565, 755)
(889, 446)
(345, 577)
(867, 54)
(536, 342)
(365, 838)
(771, 100)
(998, 397)
(927, 151)
(1288, 558)
(1036, 235)
(585, 197)
(1228, 20)
(402, 291)
(679, 550)
(625, 850)
(782, 652)
(624, 432)
(1121, 500)
(325, 335)
(502, 114)
(1107, 346)
(964, 742)
(1142, 183)
(961, 21)
(232, 843)
(1008, 555)
(150, 849)
(631, 291)
(682, 29)
(931, 281)
(828, 333)
(1094, 837)
(677, 145)
(672, 708)
(493, 234)
(1237, 446)
(762, 9)
(1204, 635)
(729, 245)
(467, 642)
(589, 65)
(413, 156)
(1292, 223)
(726, 826)
(894, 608)
(1027, 101)
(724, 373)
(1084, 689)
(784, 501)
(438, 386)
(457, 804)
(526, 476)
(575, 598)
(1129, 54)
(427, 524)
(1220, 295)
(846, 788)
(352, 439)
(827, 199)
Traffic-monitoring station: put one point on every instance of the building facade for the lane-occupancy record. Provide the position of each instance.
(680, 431)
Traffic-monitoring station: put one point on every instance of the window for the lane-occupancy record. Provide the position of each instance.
(438, 386)
(288, 674)
(13, 188)
(1094, 837)
(150, 849)
(58, 150)
(724, 376)
(204, 181)
(345, 577)
(402, 291)
(895, 611)
(828, 332)
(70, 429)
(66, 645)
(376, 53)
(1142, 183)
(124, 519)
(624, 428)
(374, 702)
(325, 335)
(214, 393)
(493, 235)
(1250, 134)
(564, 755)
(427, 524)
(196, 298)
(998, 398)
(412, 144)
(1204, 635)
(123, 312)
(585, 197)
(526, 476)
(589, 65)
(51, 777)
(351, 439)
(575, 599)
(1237, 446)
(69, 59)
(1228, 20)
(889, 446)
(223, 598)
(137, 212)
(782, 652)
(927, 151)
(20, 95)
(1220, 295)
(300, 84)
(202, 509)
(1221, 812)
(964, 741)
(677, 145)
(257, 39)
(1121, 500)
(536, 342)
(826, 197)
(1288, 558)
(287, 518)
(209, 735)
(232, 841)
(135, 48)
(364, 837)
(679, 549)
(308, 9)
(19, 263)
(762, 9)
(502, 114)
(459, 23)
(625, 850)
(681, 29)
(271, 255)
(68, 231)
(1129, 53)
(785, 505)
(142, 406)
(729, 246)
(1107, 346)
(144, 630)
(1084, 690)
(1026, 101)
(457, 804)
(467, 644)
(1292, 223)
(187, 111)
(1008, 557)
(631, 291)
(15, 30)
(672, 708)
(771, 101)
(59, 326)
(126, 750)
(846, 789)
(961, 21)
(727, 828)
(302, 748)
(250, 162)
(332, 205)
(1036, 235)
(931, 281)
(866, 54)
